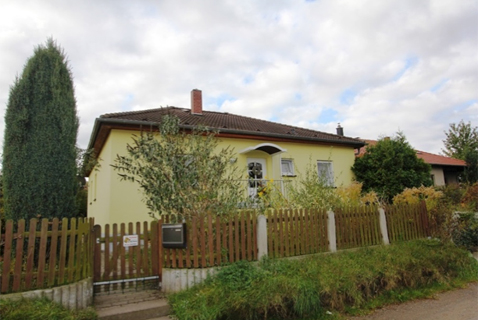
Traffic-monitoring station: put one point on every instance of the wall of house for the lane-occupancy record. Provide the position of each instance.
(302, 154)
(113, 201)
(438, 176)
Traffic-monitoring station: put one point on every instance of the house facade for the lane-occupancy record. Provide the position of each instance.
(444, 171)
(263, 150)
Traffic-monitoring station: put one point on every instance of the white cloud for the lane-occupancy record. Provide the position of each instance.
(375, 66)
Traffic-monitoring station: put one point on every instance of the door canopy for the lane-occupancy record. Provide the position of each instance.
(269, 148)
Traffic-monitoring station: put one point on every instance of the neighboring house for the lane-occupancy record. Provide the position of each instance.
(445, 170)
(264, 150)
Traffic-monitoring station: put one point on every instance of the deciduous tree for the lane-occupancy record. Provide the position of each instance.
(179, 173)
(460, 139)
(462, 143)
(390, 166)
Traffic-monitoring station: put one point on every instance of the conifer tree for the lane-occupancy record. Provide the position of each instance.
(41, 126)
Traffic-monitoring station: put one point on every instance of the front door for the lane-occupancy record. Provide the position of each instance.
(256, 169)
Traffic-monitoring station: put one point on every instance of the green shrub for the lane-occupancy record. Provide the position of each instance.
(467, 236)
(308, 288)
(41, 309)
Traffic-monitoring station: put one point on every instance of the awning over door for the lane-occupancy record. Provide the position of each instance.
(269, 148)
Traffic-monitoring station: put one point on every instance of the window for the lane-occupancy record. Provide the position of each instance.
(326, 172)
(287, 167)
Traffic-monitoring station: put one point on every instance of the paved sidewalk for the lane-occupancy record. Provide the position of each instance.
(141, 305)
(459, 304)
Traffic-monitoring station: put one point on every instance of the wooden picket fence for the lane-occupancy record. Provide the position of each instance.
(357, 227)
(407, 222)
(41, 254)
(215, 241)
(296, 232)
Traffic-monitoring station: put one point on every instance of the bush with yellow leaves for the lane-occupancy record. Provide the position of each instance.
(352, 195)
(430, 195)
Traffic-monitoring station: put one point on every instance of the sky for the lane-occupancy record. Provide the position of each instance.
(375, 67)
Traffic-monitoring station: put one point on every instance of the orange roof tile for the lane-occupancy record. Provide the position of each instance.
(430, 158)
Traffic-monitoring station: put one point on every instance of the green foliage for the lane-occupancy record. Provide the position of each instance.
(312, 191)
(452, 193)
(390, 166)
(468, 236)
(181, 173)
(40, 309)
(469, 201)
(470, 174)
(2, 209)
(41, 125)
(445, 206)
(307, 288)
(462, 143)
(82, 202)
(460, 138)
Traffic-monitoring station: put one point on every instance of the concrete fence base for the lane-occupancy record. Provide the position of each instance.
(78, 295)
(174, 280)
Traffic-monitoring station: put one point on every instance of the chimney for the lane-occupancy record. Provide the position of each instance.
(340, 130)
(196, 101)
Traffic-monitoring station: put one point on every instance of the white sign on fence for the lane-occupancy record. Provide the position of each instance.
(130, 240)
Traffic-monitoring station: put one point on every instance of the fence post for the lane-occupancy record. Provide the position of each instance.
(383, 226)
(331, 231)
(261, 236)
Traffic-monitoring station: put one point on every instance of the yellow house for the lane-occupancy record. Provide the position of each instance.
(264, 150)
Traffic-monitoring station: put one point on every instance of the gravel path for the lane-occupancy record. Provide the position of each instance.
(460, 304)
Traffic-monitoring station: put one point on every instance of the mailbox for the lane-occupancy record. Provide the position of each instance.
(174, 235)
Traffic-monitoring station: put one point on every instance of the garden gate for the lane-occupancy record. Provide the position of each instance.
(127, 256)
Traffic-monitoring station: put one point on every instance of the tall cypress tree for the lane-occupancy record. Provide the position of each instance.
(39, 151)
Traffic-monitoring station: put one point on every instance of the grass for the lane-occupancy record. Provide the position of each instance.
(327, 286)
(41, 309)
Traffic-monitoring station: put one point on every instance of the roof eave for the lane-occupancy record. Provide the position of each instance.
(100, 121)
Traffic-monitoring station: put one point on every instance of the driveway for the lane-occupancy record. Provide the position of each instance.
(459, 304)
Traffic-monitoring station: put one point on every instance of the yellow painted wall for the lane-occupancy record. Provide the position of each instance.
(302, 154)
(116, 201)
(113, 201)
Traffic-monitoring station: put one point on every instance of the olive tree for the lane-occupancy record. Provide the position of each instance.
(181, 173)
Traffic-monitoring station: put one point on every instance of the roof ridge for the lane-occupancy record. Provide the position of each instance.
(108, 115)
(274, 122)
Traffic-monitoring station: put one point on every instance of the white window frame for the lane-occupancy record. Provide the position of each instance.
(289, 164)
(252, 190)
(329, 172)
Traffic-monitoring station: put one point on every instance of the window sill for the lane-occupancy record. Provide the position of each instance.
(289, 175)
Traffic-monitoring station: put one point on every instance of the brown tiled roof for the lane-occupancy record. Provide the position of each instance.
(430, 158)
(230, 123)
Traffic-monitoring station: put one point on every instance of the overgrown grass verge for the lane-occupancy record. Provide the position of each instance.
(41, 309)
(346, 282)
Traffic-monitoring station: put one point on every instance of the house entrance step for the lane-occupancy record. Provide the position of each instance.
(140, 305)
